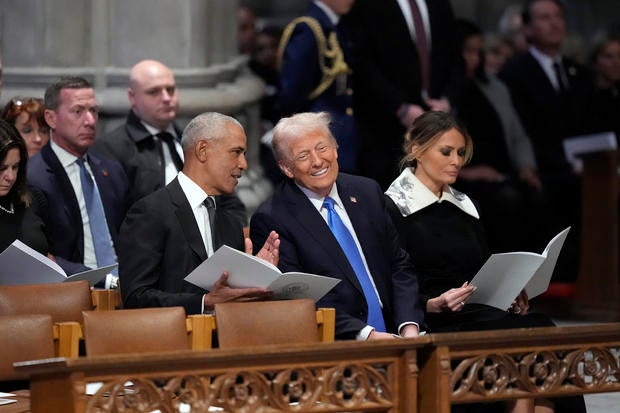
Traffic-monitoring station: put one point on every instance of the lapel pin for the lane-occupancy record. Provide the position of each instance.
(353, 199)
(104, 172)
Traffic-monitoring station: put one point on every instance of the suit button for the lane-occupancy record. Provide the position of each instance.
(349, 111)
(349, 91)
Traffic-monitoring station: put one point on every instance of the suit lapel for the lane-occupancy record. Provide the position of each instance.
(186, 218)
(311, 220)
(59, 175)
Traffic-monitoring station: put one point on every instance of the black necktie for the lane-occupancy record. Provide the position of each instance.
(559, 75)
(169, 139)
(209, 202)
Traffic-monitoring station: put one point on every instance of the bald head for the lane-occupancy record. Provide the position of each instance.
(152, 93)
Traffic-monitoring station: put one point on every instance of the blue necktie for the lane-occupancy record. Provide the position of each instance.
(347, 243)
(96, 219)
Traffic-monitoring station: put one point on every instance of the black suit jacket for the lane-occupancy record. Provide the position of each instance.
(160, 244)
(308, 245)
(59, 206)
(547, 115)
(134, 147)
(386, 74)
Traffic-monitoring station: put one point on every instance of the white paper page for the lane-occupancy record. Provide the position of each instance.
(293, 285)
(502, 278)
(20, 264)
(93, 276)
(540, 281)
(2, 394)
(7, 401)
(579, 145)
(244, 270)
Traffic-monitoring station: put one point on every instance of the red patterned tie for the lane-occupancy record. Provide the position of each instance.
(422, 45)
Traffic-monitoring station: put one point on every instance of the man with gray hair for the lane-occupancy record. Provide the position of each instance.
(335, 224)
(168, 233)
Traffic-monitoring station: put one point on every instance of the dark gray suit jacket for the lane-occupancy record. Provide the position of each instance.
(160, 244)
(308, 245)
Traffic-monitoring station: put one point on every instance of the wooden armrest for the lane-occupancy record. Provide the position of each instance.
(67, 335)
(326, 322)
(104, 300)
(200, 329)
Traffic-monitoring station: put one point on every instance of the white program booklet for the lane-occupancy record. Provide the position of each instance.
(20, 264)
(503, 276)
(582, 144)
(245, 270)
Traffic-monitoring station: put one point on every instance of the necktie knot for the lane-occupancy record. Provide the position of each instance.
(209, 202)
(328, 203)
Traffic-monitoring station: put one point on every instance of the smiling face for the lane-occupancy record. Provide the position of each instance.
(440, 163)
(74, 122)
(312, 162)
(8, 171)
(223, 159)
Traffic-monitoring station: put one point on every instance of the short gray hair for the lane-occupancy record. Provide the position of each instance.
(208, 125)
(296, 126)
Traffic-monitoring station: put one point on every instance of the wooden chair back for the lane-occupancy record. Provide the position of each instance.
(24, 337)
(62, 301)
(266, 322)
(135, 331)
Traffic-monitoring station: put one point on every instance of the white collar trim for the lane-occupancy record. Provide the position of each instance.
(410, 195)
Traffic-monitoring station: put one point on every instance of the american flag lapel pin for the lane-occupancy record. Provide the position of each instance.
(353, 199)
(104, 172)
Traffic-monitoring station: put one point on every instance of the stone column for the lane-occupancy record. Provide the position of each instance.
(102, 39)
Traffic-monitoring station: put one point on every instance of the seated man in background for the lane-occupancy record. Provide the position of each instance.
(85, 197)
(336, 225)
(168, 233)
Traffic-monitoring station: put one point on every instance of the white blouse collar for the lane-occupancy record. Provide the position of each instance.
(410, 195)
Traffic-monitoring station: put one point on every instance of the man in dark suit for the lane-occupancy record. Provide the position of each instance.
(549, 93)
(139, 144)
(375, 270)
(148, 145)
(390, 88)
(72, 114)
(315, 72)
(168, 233)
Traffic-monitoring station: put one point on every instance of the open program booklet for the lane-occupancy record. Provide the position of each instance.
(20, 264)
(245, 270)
(503, 276)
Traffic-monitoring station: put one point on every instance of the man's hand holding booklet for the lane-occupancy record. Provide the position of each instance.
(245, 270)
(505, 275)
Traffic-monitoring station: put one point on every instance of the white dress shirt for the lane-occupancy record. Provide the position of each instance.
(170, 169)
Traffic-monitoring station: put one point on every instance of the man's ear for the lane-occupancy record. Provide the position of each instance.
(286, 170)
(201, 150)
(50, 118)
(131, 96)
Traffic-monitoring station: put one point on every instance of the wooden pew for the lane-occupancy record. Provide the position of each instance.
(513, 364)
(341, 376)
